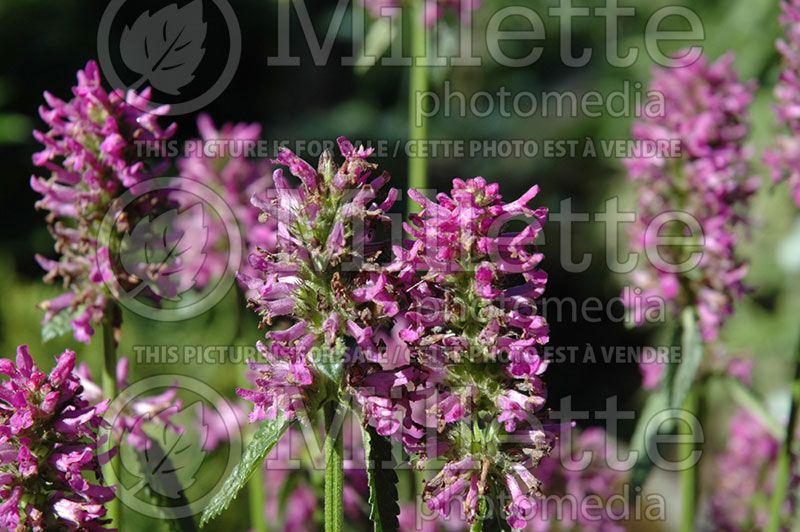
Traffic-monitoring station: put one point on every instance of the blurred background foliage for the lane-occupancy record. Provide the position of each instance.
(45, 43)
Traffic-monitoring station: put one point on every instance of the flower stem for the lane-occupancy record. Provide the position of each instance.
(418, 84)
(334, 472)
(110, 391)
(257, 500)
(689, 475)
(785, 459)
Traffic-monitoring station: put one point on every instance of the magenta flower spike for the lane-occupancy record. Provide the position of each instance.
(325, 279)
(50, 477)
(568, 487)
(130, 422)
(91, 153)
(745, 473)
(220, 161)
(707, 181)
(472, 324)
(784, 159)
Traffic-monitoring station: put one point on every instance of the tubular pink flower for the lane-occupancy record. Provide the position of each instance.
(91, 154)
(708, 182)
(49, 431)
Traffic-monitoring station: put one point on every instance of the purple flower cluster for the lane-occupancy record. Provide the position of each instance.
(50, 477)
(745, 475)
(323, 278)
(446, 333)
(91, 155)
(434, 9)
(473, 325)
(707, 184)
(220, 161)
(784, 159)
(570, 488)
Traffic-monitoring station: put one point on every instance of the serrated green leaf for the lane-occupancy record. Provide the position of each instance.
(642, 441)
(672, 393)
(58, 325)
(382, 480)
(691, 357)
(267, 436)
(755, 405)
(163, 484)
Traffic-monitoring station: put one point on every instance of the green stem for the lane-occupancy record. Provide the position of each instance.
(785, 459)
(257, 500)
(110, 391)
(689, 475)
(334, 472)
(418, 84)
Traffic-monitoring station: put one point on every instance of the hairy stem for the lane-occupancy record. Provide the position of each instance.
(110, 391)
(785, 459)
(689, 475)
(334, 472)
(418, 84)
(257, 500)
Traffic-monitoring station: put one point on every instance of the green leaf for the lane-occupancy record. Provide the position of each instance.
(58, 325)
(747, 399)
(691, 357)
(377, 41)
(267, 436)
(671, 394)
(382, 481)
(642, 440)
(154, 487)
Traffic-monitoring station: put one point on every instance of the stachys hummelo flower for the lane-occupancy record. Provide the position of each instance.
(92, 156)
(708, 183)
(784, 160)
(50, 477)
(325, 279)
(473, 325)
(236, 178)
